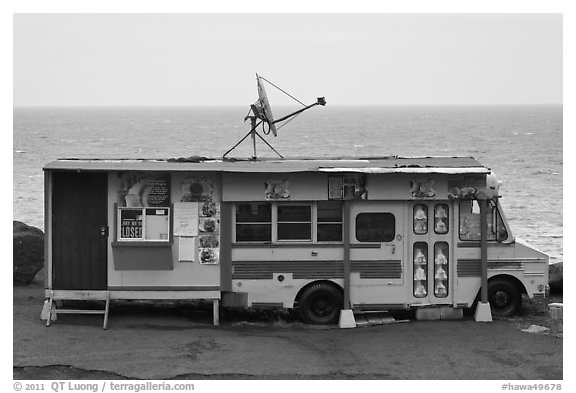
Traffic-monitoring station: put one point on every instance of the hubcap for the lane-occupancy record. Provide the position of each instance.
(322, 306)
(501, 299)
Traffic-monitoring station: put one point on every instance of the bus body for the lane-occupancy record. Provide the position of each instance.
(314, 234)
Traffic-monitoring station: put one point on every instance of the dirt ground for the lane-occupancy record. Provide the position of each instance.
(177, 341)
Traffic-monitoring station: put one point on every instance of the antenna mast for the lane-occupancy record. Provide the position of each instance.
(262, 114)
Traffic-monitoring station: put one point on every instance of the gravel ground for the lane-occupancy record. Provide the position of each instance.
(177, 341)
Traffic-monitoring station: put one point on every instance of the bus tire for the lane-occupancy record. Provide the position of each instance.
(504, 298)
(320, 304)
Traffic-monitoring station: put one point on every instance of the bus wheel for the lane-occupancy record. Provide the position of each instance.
(320, 304)
(505, 299)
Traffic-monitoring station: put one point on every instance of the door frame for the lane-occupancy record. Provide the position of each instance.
(385, 292)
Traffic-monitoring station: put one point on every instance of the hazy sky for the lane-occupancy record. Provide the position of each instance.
(211, 59)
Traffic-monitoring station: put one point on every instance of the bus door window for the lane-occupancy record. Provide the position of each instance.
(420, 219)
(441, 221)
(420, 254)
(375, 227)
(441, 255)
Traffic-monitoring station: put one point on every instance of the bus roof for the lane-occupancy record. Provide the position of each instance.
(391, 164)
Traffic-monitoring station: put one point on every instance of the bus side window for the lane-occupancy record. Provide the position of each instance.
(253, 222)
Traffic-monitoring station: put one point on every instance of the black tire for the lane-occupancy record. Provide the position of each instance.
(504, 297)
(320, 304)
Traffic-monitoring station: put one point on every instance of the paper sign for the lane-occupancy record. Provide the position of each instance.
(186, 219)
(187, 249)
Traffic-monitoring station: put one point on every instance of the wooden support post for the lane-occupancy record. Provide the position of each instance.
(346, 315)
(216, 311)
(106, 310)
(49, 311)
(484, 249)
(483, 312)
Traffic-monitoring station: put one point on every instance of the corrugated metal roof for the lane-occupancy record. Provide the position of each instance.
(392, 164)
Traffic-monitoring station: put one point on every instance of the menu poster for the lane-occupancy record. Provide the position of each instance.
(185, 219)
(158, 191)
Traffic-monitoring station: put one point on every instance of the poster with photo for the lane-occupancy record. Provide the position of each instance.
(196, 189)
(209, 225)
(209, 241)
(209, 255)
(147, 189)
(276, 189)
(209, 209)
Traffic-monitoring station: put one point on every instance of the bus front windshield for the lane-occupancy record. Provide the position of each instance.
(470, 221)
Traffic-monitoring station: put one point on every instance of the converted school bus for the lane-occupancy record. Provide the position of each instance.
(320, 235)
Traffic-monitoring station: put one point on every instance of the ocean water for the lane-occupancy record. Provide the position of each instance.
(521, 144)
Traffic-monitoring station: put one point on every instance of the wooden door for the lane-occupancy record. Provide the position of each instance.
(79, 230)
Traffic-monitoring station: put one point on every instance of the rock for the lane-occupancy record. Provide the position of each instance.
(555, 277)
(18, 226)
(28, 257)
(536, 329)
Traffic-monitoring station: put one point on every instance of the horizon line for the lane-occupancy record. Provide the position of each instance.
(279, 105)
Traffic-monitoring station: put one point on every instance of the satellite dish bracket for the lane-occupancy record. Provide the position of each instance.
(319, 101)
(263, 113)
(253, 133)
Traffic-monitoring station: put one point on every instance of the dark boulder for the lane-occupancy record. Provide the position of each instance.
(28, 256)
(555, 272)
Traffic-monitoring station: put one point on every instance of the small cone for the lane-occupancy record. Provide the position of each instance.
(347, 320)
(44, 313)
(483, 312)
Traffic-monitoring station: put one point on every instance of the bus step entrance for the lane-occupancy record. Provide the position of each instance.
(370, 318)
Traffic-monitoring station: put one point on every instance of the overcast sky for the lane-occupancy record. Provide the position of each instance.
(211, 59)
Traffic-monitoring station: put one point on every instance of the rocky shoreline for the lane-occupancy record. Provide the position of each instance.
(28, 254)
